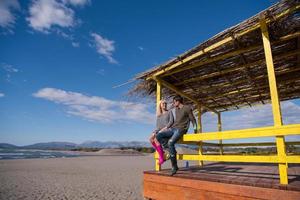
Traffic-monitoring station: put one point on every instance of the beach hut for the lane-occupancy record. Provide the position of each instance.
(254, 62)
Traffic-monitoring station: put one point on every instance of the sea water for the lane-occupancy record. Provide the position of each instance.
(28, 153)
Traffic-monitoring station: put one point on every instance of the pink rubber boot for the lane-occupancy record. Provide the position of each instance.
(160, 152)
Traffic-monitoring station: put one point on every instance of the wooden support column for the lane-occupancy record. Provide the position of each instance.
(199, 130)
(158, 98)
(220, 129)
(280, 141)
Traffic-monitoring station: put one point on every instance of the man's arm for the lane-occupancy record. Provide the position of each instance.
(193, 120)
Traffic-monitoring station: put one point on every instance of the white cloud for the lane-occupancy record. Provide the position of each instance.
(258, 116)
(44, 14)
(101, 72)
(77, 2)
(2, 94)
(7, 17)
(75, 44)
(9, 69)
(55, 16)
(96, 108)
(104, 47)
(290, 113)
(67, 36)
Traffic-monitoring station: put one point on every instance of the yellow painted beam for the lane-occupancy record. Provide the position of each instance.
(293, 159)
(173, 88)
(257, 144)
(222, 42)
(283, 166)
(271, 74)
(240, 144)
(292, 129)
(230, 158)
(239, 158)
(196, 143)
(280, 142)
(199, 130)
(158, 98)
(157, 165)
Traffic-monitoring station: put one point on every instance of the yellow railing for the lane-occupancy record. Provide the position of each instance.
(284, 130)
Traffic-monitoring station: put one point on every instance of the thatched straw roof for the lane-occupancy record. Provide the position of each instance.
(228, 71)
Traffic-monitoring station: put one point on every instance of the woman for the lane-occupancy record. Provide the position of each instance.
(164, 120)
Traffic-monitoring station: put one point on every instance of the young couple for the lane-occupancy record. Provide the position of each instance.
(168, 131)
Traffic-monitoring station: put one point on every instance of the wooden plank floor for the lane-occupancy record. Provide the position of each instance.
(246, 177)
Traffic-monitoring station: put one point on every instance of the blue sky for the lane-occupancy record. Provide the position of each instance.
(59, 61)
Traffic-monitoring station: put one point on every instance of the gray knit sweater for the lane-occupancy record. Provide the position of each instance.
(164, 120)
(183, 117)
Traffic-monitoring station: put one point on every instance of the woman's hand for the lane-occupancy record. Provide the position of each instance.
(153, 135)
(163, 129)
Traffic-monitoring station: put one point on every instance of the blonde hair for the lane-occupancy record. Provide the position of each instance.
(159, 110)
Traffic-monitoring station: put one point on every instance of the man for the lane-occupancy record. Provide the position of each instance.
(183, 116)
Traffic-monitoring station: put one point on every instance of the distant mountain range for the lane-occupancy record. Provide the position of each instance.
(69, 145)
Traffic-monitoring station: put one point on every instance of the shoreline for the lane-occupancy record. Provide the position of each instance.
(16, 154)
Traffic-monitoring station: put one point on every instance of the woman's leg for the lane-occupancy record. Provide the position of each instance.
(160, 152)
(158, 148)
(160, 137)
(156, 141)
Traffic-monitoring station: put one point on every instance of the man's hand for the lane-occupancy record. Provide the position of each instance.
(163, 129)
(195, 128)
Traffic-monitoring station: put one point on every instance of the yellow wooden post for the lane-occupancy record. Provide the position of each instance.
(220, 129)
(199, 130)
(280, 141)
(158, 98)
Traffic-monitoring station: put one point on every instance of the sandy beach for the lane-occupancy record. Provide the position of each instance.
(88, 177)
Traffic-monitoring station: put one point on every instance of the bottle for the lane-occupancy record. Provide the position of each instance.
(187, 164)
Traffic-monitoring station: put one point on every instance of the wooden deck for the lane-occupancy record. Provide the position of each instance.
(223, 181)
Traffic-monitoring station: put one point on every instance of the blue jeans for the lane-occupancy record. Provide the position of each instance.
(172, 136)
